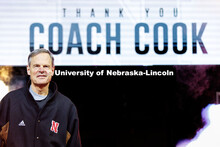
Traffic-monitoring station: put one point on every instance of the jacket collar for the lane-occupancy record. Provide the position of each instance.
(52, 87)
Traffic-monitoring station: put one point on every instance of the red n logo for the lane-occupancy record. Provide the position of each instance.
(54, 126)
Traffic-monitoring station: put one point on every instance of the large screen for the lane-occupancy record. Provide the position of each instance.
(116, 32)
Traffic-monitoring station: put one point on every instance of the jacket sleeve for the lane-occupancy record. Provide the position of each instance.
(4, 121)
(73, 129)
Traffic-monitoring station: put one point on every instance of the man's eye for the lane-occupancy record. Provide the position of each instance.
(46, 66)
(36, 65)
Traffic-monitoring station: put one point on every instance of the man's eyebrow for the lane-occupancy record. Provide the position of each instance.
(36, 64)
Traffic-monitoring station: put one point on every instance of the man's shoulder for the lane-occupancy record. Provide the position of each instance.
(17, 91)
(64, 99)
(15, 95)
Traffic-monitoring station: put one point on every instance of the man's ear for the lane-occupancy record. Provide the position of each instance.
(53, 69)
(28, 70)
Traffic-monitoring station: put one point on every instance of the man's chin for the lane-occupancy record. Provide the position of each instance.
(41, 84)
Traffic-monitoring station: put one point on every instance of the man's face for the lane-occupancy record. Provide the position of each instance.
(40, 69)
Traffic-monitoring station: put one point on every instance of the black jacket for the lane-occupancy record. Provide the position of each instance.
(23, 124)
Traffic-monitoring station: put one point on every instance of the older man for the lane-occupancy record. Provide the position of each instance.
(38, 115)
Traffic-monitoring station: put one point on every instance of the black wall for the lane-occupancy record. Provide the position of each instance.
(131, 111)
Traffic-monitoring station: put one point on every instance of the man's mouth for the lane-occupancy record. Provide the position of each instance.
(41, 76)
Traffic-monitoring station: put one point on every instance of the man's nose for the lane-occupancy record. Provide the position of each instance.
(41, 69)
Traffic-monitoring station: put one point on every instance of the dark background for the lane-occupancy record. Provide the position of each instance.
(122, 110)
(137, 111)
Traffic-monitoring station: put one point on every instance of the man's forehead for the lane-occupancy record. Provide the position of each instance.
(42, 58)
